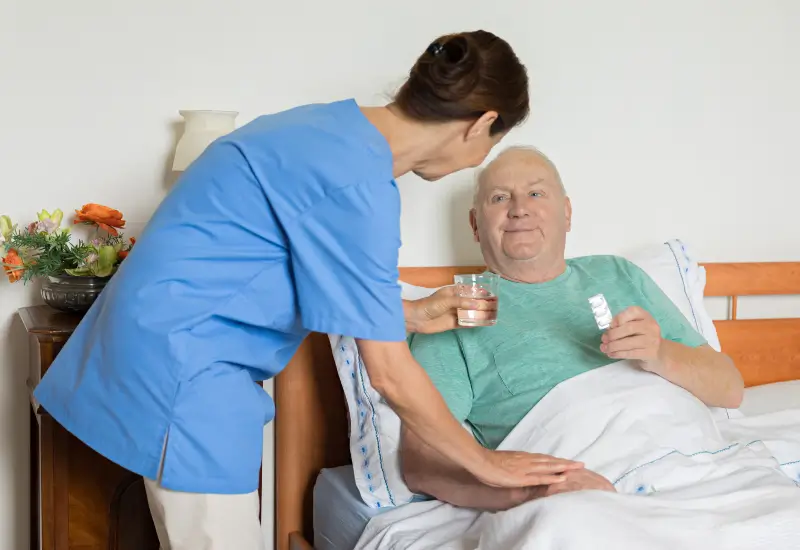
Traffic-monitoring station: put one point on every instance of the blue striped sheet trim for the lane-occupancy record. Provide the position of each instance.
(375, 429)
(728, 448)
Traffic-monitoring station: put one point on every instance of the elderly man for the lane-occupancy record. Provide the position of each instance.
(492, 377)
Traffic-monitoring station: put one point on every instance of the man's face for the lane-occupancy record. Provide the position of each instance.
(521, 213)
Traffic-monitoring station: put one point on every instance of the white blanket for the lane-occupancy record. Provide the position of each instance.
(684, 480)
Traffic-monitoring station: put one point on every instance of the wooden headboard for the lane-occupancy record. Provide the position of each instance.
(311, 424)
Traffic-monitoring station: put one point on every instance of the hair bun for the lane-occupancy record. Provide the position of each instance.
(450, 70)
(462, 76)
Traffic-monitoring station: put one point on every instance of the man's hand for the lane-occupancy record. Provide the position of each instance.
(580, 480)
(709, 375)
(634, 334)
(438, 312)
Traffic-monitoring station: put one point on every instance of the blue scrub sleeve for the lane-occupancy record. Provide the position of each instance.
(344, 253)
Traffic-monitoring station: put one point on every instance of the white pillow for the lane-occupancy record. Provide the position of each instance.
(374, 431)
(375, 428)
(771, 398)
(683, 280)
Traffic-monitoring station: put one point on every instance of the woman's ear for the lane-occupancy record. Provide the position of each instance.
(482, 126)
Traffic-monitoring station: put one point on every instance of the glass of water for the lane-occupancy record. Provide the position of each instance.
(482, 287)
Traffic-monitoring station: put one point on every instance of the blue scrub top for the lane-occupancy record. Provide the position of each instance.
(288, 225)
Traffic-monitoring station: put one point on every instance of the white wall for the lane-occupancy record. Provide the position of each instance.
(666, 118)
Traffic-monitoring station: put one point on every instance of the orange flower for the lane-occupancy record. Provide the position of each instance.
(12, 265)
(105, 217)
(122, 254)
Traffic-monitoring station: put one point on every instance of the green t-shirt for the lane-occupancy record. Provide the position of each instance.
(545, 334)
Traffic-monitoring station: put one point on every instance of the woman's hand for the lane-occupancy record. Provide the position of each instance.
(438, 312)
(519, 469)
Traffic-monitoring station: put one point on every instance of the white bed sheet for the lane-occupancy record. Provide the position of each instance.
(340, 516)
(684, 479)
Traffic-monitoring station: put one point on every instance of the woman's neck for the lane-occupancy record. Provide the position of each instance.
(412, 142)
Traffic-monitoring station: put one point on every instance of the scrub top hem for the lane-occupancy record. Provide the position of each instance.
(210, 486)
(146, 467)
(140, 463)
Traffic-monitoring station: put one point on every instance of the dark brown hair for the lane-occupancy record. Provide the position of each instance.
(462, 76)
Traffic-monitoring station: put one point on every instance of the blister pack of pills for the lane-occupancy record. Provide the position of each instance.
(601, 311)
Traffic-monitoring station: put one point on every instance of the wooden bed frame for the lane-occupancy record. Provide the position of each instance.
(311, 425)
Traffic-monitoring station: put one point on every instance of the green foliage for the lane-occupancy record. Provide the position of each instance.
(43, 249)
(53, 254)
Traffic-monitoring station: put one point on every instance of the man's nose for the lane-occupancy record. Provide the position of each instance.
(518, 209)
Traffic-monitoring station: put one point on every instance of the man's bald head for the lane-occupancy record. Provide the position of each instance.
(521, 215)
(516, 153)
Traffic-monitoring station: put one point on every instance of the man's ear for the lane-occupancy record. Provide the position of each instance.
(473, 223)
(482, 126)
(568, 212)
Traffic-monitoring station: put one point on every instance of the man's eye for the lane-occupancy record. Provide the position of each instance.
(536, 194)
(498, 198)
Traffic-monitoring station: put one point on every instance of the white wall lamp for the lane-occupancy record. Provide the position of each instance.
(200, 129)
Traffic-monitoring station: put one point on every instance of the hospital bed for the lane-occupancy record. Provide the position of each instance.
(314, 482)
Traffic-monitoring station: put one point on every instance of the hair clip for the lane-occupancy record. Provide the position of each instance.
(435, 49)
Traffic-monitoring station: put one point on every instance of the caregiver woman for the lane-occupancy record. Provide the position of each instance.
(290, 224)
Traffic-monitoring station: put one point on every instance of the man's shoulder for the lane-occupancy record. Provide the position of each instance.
(604, 264)
(623, 273)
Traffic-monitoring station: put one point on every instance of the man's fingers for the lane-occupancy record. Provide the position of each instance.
(633, 354)
(624, 331)
(619, 332)
(630, 343)
(634, 313)
(548, 480)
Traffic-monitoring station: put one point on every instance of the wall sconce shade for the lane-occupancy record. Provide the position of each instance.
(200, 129)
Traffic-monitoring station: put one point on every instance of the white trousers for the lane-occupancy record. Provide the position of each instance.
(194, 521)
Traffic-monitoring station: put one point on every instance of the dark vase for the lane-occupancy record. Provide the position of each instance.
(73, 294)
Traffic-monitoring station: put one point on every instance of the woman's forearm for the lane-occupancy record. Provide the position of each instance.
(396, 375)
(427, 472)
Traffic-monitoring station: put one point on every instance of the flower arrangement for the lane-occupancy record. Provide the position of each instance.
(44, 249)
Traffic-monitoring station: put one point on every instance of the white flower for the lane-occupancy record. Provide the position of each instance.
(46, 226)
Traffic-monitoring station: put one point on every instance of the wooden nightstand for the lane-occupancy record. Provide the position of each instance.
(79, 499)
